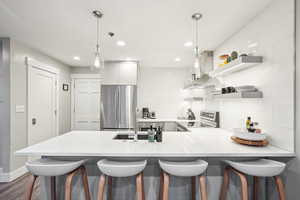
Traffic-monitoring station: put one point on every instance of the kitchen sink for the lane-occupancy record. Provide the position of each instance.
(130, 137)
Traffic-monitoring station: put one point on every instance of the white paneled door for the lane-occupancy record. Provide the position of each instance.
(42, 105)
(86, 104)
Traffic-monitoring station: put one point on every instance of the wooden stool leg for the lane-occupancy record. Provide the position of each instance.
(280, 187)
(109, 188)
(30, 186)
(68, 184)
(161, 185)
(101, 187)
(255, 187)
(166, 186)
(193, 188)
(139, 187)
(53, 188)
(244, 188)
(143, 186)
(85, 183)
(225, 184)
(202, 184)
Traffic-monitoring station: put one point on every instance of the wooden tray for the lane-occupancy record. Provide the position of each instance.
(249, 142)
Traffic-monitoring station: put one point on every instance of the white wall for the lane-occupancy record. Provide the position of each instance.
(160, 89)
(272, 35)
(18, 132)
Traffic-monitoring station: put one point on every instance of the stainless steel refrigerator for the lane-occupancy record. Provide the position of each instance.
(118, 107)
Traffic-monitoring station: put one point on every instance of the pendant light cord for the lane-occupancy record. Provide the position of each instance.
(97, 46)
(196, 47)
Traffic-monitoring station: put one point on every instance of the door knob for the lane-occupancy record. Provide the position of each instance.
(33, 121)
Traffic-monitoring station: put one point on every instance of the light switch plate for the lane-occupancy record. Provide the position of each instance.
(20, 108)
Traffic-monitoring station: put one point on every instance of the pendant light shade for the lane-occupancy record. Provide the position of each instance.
(98, 62)
(197, 63)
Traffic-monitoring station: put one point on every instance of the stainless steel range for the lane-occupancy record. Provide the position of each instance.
(210, 119)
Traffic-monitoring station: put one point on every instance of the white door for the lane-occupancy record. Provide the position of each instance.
(42, 104)
(86, 104)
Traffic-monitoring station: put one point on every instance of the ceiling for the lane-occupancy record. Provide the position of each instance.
(154, 31)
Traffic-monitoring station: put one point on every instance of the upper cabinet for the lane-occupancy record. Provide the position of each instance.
(123, 73)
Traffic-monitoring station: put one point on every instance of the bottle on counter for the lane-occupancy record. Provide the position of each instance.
(248, 123)
(158, 136)
(151, 134)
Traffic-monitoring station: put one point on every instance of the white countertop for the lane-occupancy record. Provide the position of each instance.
(167, 120)
(200, 142)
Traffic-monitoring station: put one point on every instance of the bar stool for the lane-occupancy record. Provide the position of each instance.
(255, 168)
(53, 168)
(183, 169)
(111, 169)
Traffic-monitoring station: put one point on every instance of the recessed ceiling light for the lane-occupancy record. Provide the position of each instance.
(121, 43)
(129, 59)
(188, 44)
(76, 58)
(177, 59)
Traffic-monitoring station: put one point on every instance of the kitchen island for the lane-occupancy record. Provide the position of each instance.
(198, 142)
(210, 144)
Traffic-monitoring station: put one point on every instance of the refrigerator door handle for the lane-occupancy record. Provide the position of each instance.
(118, 107)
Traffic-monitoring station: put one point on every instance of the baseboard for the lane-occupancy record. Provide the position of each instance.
(10, 176)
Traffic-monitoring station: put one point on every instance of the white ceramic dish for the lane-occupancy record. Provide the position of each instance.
(245, 135)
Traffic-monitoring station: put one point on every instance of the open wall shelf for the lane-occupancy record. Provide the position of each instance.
(193, 99)
(242, 63)
(239, 95)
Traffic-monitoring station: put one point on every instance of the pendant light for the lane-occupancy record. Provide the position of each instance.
(98, 62)
(202, 78)
(197, 17)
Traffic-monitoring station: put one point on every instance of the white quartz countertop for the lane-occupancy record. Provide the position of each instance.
(199, 142)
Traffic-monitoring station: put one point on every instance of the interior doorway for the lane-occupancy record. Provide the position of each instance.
(43, 101)
(86, 102)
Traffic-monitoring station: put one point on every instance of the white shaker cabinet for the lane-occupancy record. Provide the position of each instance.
(120, 73)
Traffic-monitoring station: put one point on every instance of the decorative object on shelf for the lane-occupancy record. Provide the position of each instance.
(98, 62)
(224, 56)
(234, 55)
(244, 54)
(65, 87)
(241, 63)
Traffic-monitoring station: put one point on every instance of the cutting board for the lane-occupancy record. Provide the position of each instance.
(249, 142)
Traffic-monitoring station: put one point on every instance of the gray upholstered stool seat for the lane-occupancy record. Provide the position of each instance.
(121, 168)
(191, 169)
(110, 169)
(255, 168)
(185, 169)
(261, 167)
(52, 167)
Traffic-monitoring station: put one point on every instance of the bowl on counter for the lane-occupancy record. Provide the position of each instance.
(245, 135)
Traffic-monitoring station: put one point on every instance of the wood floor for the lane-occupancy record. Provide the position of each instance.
(15, 190)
